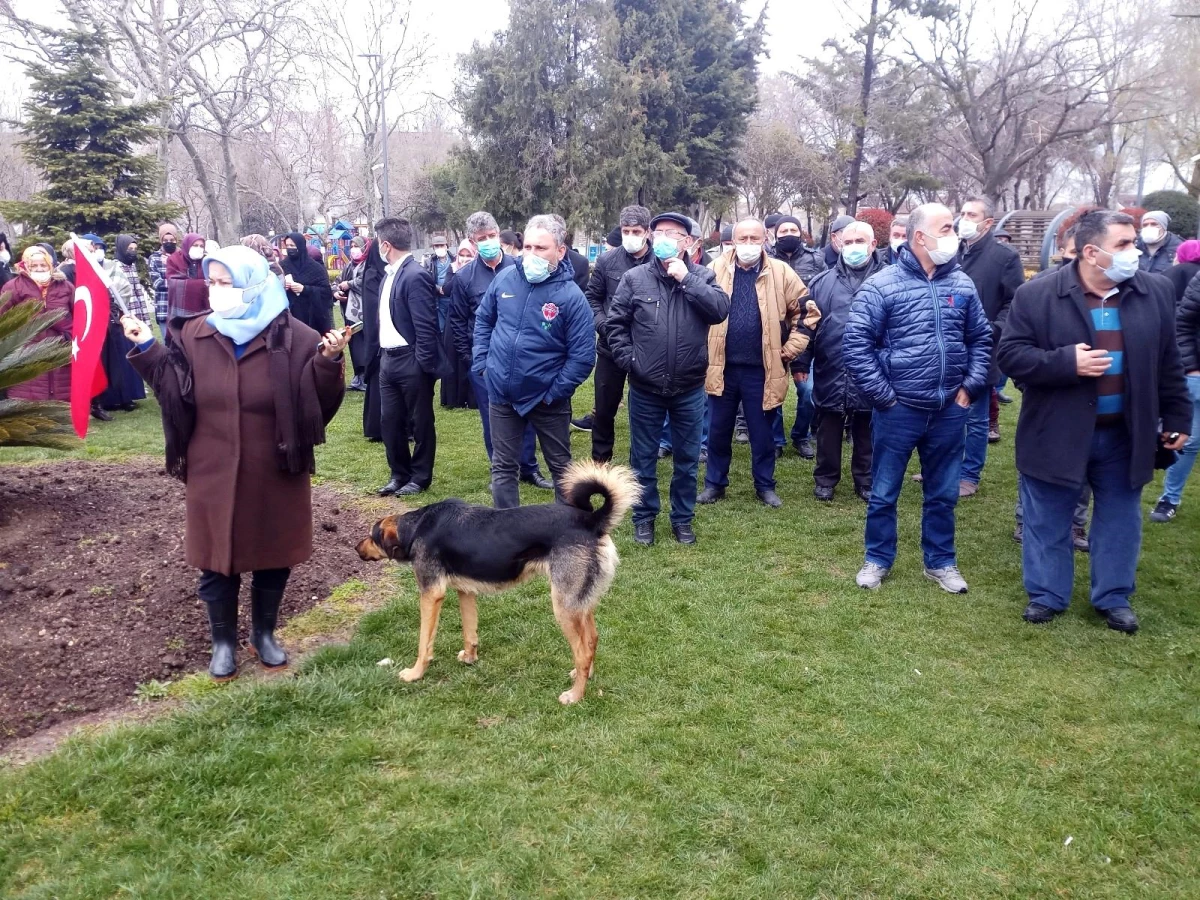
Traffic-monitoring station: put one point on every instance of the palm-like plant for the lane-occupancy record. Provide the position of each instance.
(31, 423)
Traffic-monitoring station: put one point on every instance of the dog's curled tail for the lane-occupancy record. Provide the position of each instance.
(615, 484)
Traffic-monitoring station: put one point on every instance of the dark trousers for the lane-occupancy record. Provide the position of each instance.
(406, 400)
(744, 385)
(646, 413)
(372, 427)
(828, 428)
(529, 463)
(610, 389)
(215, 587)
(552, 422)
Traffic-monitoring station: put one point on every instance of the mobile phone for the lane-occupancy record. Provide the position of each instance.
(350, 331)
(1172, 437)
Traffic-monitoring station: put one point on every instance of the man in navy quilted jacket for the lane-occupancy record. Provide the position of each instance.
(918, 345)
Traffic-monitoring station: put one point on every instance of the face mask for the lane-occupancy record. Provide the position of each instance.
(129, 257)
(788, 244)
(895, 243)
(5, 257)
(946, 250)
(536, 269)
(489, 248)
(855, 255)
(98, 255)
(1124, 265)
(633, 243)
(967, 230)
(665, 248)
(293, 254)
(439, 252)
(383, 255)
(1152, 234)
(748, 254)
(227, 302)
(355, 254)
(41, 277)
(197, 252)
(169, 246)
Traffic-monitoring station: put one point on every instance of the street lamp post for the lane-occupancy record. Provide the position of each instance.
(382, 126)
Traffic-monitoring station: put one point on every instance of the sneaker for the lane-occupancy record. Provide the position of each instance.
(1079, 539)
(822, 493)
(583, 423)
(870, 576)
(918, 478)
(805, 449)
(741, 435)
(664, 452)
(643, 533)
(1019, 533)
(1164, 511)
(1003, 398)
(703, 455)
(967, 489)
(949, 579)
(993, 435)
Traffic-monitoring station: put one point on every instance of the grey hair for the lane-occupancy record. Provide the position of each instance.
(479, 222)
(920, 216)
(902, 221)
(989, 208)
(632, 216)
(551, 224)
(864, 227)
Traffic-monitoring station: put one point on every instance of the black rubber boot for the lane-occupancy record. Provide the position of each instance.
(222, 620)
(264, 610)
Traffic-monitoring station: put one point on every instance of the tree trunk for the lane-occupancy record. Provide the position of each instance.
(206, 185)
(232, 220)
(864, 100)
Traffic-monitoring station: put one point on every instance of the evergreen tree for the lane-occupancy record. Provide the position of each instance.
(81, 138)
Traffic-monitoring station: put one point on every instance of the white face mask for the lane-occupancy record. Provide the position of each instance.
(1152, 234)
(748, 254)
(967, 229)
(946, 250)
(197, 252)
(41, 277)
(98, 255)
(227, 302)
(5, 257)
(439, 252)
(633, 243)
(895, 243)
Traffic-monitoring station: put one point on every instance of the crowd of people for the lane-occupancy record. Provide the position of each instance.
(896, 349)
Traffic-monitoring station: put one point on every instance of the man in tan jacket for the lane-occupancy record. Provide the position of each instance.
(770, 324)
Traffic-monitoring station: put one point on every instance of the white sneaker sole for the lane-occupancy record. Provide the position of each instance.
(942, 586)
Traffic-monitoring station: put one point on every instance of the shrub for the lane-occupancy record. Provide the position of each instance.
(1183, 210)
(878, 219)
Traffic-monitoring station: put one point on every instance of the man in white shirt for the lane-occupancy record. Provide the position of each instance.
(410, 351)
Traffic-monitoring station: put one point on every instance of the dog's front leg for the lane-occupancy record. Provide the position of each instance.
(470, 628)
(431, 608)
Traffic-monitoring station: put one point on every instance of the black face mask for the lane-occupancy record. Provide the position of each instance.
(788, 244)
(128, 257)
(294, 254)
(169, 246)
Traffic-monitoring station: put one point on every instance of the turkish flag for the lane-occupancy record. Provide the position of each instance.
(89, 330)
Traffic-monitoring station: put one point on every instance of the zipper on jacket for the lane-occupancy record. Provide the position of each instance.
(937, 320)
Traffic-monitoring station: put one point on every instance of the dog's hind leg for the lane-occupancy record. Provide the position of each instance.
(592, 636)
(470, 627)
(574, 628)
(431, 609)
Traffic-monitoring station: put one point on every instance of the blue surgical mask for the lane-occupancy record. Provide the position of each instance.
(489, 248)
(855, 255)
(665, 247)
(1124, 265)
(536, 268)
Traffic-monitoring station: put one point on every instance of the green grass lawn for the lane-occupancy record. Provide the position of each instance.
(758, 727)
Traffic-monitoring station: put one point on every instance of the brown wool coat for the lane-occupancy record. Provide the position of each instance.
(782, 297)
(60, 295)
(243, 512)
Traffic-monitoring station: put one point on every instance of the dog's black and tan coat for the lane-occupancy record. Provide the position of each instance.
(478, 550)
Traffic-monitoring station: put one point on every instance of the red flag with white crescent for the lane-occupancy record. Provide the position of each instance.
(87, 337)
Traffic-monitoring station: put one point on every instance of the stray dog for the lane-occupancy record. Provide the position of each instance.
(479, 550)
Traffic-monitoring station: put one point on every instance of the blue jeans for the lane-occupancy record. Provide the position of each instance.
(1047, 556)
(1079, 519)
(804, 412)
(528, 463)
(743, 384)
(938, 439)
(646, 412)
(1177, 475)
(976, 446)
(664, 442)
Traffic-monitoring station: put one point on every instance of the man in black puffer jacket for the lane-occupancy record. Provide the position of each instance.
(657, 331)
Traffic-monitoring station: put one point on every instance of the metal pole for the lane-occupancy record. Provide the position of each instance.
(383, 127)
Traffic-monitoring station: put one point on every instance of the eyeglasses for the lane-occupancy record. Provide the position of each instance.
(675, 235)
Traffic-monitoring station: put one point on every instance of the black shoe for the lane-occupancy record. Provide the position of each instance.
(1003, 398)
(390, 488)
(264, 611)
(1121, 619)
(1019, 533)
(664, 452)
(1079, 539)
(779, 453)
(703, 455)
(805, 449)
(1164, 511)
(583, 423)
(409, 489)
(711, 494)
(128, 407)
(356, 384)
(824, 494)
(222, 622)
(863, 494)
(683, 534)
(770, 498)
(538, 480)
(98, 413)
(1037, 614)
(643, 533)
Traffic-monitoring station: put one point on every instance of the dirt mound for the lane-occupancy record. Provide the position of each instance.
(95, 596)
